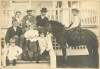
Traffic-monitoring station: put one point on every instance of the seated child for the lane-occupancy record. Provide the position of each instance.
(43, 44)
(4, 50)
(13, 52)
(31, 41)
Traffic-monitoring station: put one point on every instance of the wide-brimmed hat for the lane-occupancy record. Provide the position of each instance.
(76, 10)
(44, 10)
(12, 40)
(29, 10)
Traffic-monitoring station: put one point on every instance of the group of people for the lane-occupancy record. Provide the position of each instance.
(26, 37)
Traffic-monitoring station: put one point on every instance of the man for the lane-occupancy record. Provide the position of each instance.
(42, 19)
(17, 16)
(13, 52)
(28, 20)
(14, 32)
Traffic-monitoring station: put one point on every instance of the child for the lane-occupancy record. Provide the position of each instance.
(13, 52)
(43, 44)
(75, 19)
(31, 41)
(4, 51)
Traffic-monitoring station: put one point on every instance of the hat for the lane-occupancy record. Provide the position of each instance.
(76, 10)
(12, 40)
(44, 10)
(29, 10)
(14, 19)
(18, 12)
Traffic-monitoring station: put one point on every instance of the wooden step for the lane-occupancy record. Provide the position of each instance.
(29, 62)
(30, 65)
(71, 52)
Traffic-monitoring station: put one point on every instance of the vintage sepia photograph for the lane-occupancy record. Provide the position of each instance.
(50, 34)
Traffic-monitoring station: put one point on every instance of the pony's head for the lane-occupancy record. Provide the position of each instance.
(55, 25)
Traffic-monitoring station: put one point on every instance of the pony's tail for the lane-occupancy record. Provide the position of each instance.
(95, 53)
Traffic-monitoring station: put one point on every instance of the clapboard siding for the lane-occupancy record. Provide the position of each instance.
(37, 5)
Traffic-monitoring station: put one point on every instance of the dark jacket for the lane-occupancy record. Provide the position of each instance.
(41, 22)
(11, 33)
(32, 19)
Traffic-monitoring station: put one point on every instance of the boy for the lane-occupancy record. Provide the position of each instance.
(13, 52)
(75, 19)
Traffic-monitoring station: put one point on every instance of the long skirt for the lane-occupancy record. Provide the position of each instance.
(31, 50)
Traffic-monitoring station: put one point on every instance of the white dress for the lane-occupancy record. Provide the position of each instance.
(42, 44)
(13, 51)
(45, 43)
(49, 41)
(33, 34)
(3, 55)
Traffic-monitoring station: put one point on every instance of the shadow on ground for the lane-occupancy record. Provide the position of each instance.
(74, 62)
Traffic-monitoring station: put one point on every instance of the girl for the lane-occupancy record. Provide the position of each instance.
(43, 44)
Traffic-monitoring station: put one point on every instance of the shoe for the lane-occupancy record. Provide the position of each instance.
(37, 62)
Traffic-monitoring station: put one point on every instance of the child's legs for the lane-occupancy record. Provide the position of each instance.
(7, 62)
(44, 54)
(14, 62)
(25, 50)
(30, 55)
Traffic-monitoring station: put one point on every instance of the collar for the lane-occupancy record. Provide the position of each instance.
(14, 27)
(42, 16)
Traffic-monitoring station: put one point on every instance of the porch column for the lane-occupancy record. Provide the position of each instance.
(65, 13)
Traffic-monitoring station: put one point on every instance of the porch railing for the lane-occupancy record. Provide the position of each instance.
(89, 18)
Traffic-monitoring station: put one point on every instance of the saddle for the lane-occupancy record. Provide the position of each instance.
(76, 35)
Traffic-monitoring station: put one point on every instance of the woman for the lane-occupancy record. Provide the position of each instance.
(31, 41)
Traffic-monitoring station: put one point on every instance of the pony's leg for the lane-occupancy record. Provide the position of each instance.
(95, 54)
(64, 55)
(90, 54)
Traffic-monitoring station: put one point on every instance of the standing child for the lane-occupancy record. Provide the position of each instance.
(4, 51)
(43, 44)
(13, 52)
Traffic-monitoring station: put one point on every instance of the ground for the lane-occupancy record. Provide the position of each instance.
(74, 62)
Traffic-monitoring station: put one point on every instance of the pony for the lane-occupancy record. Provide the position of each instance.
(63, 36)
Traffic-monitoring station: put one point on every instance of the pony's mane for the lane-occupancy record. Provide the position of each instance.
(57, 27)
(56, 23)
